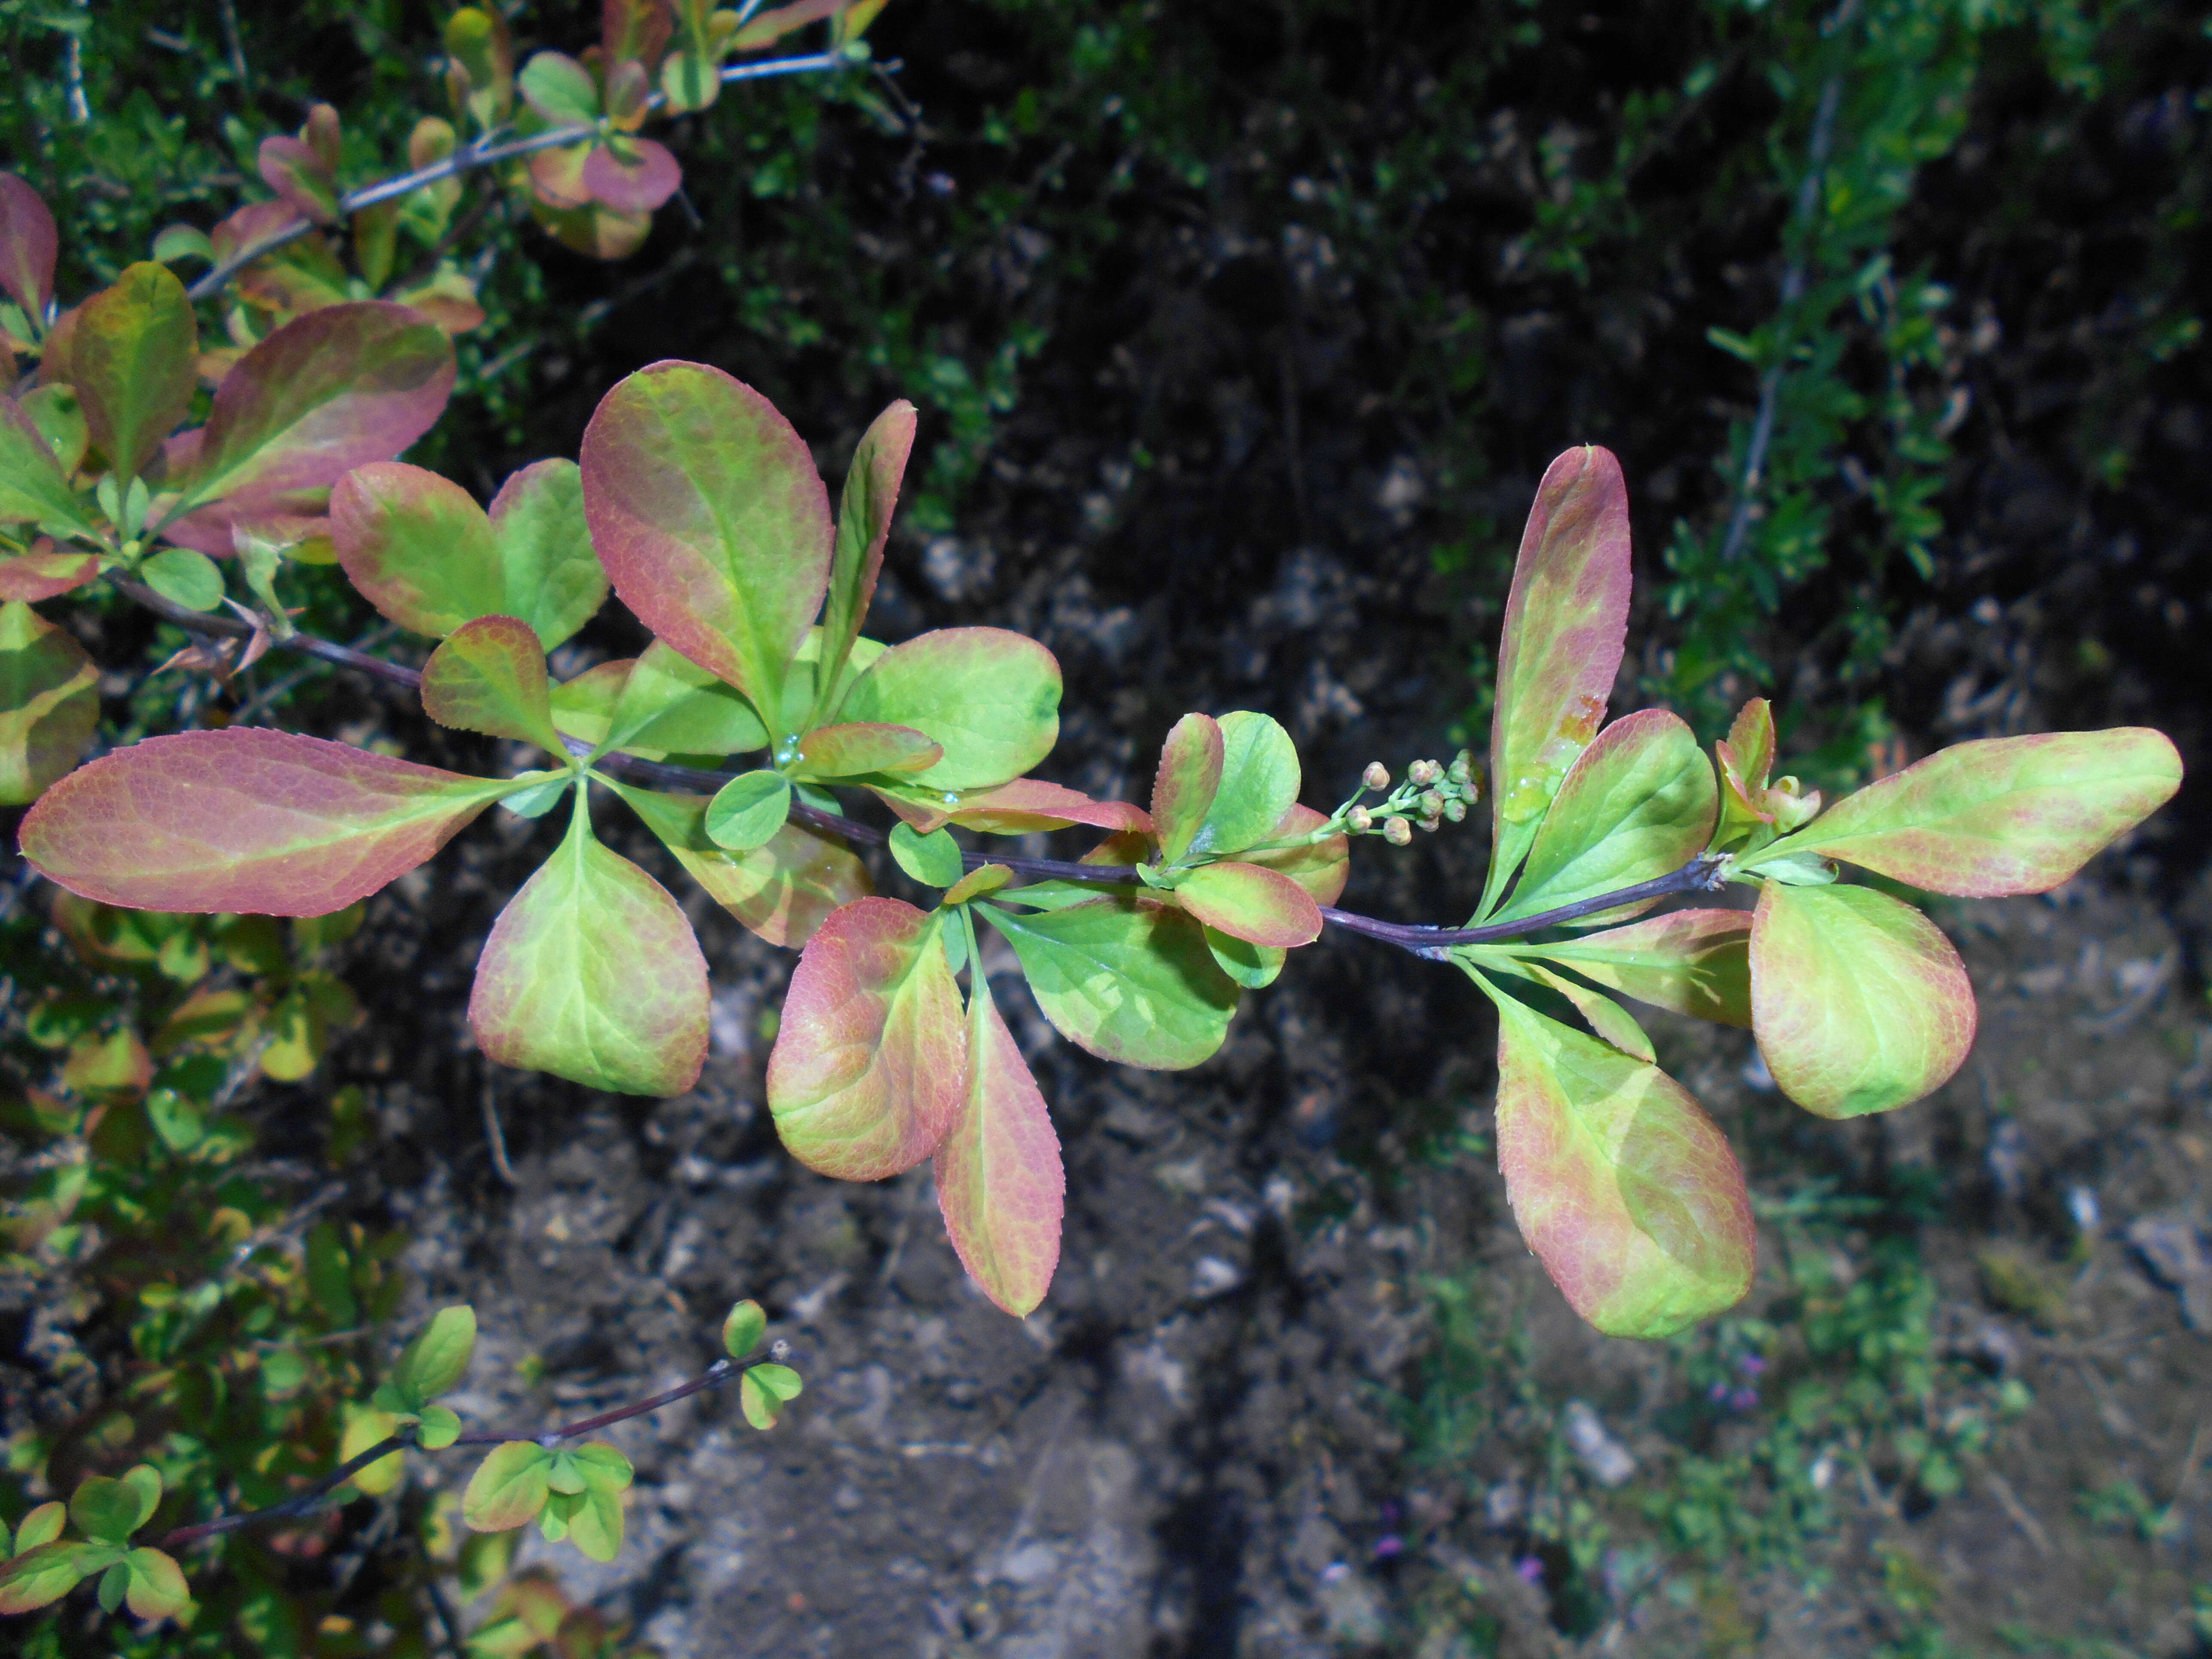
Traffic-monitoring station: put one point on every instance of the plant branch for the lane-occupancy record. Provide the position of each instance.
(715, 1375)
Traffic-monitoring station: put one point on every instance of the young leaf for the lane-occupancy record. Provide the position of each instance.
(417, 546)
(592, 972)
(42, 1526)
(157, 1588)
(440, 1426)
(1246, 901)
(1997, 817)
(135, 361)
(595, 1523)
(984, 879)
(144, 1483)
(508, 1488)
(637, 183)
(711, 521)
(1690, 961)
(1637, 803)
(1623, 1187)
(671, 705)
(783, 892)
(108, 1511)
(367, 1426)
(33, 488)
(46, 572)
(49, 703)
(870, 1057)
(760, 1403)
(1260, 780)
(245, 819)
(743, 1328)
(854, 748)
(864, 526)
(991, 699)
(28, 247)
(549, 575)
(932, 860)
(559, 89)
(1859, 1002)
(748, 810)
(48, 1573)
(998, 1177)
(327, 392)
(1184, 788)
(1566, 624)
(490, 677)
(1127, 979)
(184, 576)
(438, 1358)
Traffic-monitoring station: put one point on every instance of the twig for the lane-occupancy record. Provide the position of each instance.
(714, 1376)
(2022, 1517)
(455, 1646)
(493, 1135)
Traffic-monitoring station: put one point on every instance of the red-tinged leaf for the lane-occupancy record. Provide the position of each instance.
(849, 751)
(1028, 806)
(1621, 1185)
(592, 972)
(988, 697)
(635, 30)
(1747, 756)
(1183, 789)
(134, 363)
(1566, 624)
(595, 231)
(33, 486)
(999, 1178)
(556, 177)
(784, 890)
(637, 183)
(1259, 782)
(301, 178)
(1129, 979)
(771, 26)
(871, 1058)
(157, 1588)
(255, 223)
(245, 819)
(1322, 868)
(44, 571)
(864, 526)
(490, 677)
(1690, 962)
(325, 393)
(49, 703)
(1859, 1002)
(508, 1488)
(1613, 1022)
(712, 522)
(549, 575)
(44, 1575)
(417, 546)
(1261, 907)
(1999, 817)
(1637, 803)
(28, 246)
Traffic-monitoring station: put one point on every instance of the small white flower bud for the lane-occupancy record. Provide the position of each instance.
(1359, 820)
(1432, 804)
(1423, 773)
(1376, 776)
(1398, 832)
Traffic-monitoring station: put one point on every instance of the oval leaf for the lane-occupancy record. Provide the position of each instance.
(998, 1177)
(748, 810)
(854, 748)
(33, 487)
(135, 362)
(1999, 817)
(508, 1488)
(28, 247)
(592, 972)
(1621, 1185)
(417, 546)
(107, 1511)
(870, 1057)
(670, 705)
(639, 182)
(743, 1330)
(549, 575)
(1690, 961)
(157, 1585)
(1129, 979)
(438, 1358)
(490, 677)
(933, 859)
(1638, 804)
(710, 519)
(1245, 901)
(245, 819)
(1028, 804)
(864, 526)
(46, 572)
(1859, 1002)
(1183, 788)
(783, 891)
(1259, 780)
(39, 1576)
(49, 703)
(989, 698)
(184, 576)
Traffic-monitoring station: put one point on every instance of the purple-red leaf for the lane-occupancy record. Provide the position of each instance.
(864, 526)
(292, 168)
(592, 972)
(28, 246)
(490, 677)
(45, 571)
(1262, 907)
(999, 1178)
(49, 703)
(1022, 807)
(711, 521)
(870, 1062)
(1189, 778)
(783, 891)
(245, 819)
(1859, 1002)
(135, 362)
(636, 184)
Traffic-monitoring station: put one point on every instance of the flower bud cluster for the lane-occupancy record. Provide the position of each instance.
(1432, 794)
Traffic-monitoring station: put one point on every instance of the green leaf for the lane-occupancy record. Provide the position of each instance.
(1260, 781)
(1251, 903)
(42, 1526)
(999, 1183)
(856, 748)
(438, 1358)
(58, 411)
(1692, 962)
(245, 819)
(1127, 979)
(1997, 817)
(760, 1403)
(48, 1572)
(864, 526)
(1621, 1185)
(489, 675)
(563, 1476)
(1255, 967)
(144, 1482)
(870, 1058)
(1859, 1002)
(594, 1516)
(185, 577)
(134, 359)
(112, 1584)
(33, 488)
(157, 1588)
(549, 576)
(670, 705)
(780, 1381)
(1613, 1022)
(559, 89)
(49, 703)
(933, 859)
(602, 1467)
(438, 1428)
(1183, 789)
(1566, 624)
(991, 699)
(108, 1511)
(508, 1488)
(369, 1425)
(1636, 804)
(417, 546)
(783, 892)
(592, 972)
(748, 810)
(710, 519)
(539, 796)
(743, 1330)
